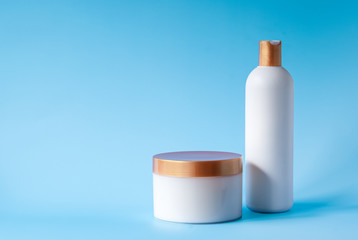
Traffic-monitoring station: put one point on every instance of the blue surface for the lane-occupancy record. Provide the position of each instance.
(90, 90)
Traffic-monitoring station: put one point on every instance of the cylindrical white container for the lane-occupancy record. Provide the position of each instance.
(197, 186)
(269, 133)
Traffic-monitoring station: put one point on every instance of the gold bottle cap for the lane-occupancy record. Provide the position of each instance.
(270, 53)
(197, 164)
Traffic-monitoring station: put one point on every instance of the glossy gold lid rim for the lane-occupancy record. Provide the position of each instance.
(212, 168)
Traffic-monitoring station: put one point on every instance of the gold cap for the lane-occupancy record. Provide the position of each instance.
(197, 164)
(270, 53)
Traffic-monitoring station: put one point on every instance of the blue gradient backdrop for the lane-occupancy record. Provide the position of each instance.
(90, 90)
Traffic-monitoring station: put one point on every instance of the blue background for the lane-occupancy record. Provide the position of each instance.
(90, 90)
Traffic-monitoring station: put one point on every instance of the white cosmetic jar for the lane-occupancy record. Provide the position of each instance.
(197, 186)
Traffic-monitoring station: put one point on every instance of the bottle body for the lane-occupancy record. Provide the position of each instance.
(269, 139)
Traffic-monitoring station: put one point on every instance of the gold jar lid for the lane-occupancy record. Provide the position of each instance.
(197, 164)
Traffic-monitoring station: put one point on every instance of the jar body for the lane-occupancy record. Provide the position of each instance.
(269, 139)
(197, 199)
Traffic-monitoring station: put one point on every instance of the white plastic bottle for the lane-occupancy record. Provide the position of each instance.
(269, 133)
